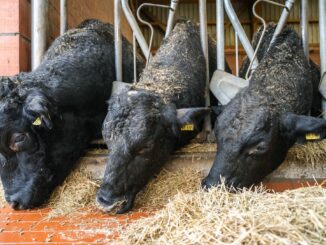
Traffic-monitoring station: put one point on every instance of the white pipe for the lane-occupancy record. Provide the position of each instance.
(236, 55)
(134, 49)
(282, 21)
(304, 26)
(220, 35)
(242, 35)
(173, 9)
(117, 40)
(204, 44)
(135, 28)
(322, 32)
(39, 30)
(63, 16)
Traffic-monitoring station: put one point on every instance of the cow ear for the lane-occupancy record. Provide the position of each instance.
(36, 108)
(303, 128)
(189, 119)
(7, 84)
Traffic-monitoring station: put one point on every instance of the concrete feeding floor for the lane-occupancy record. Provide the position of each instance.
(84, 227)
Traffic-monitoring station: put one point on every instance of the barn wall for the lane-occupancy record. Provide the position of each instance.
(15, 28)
(190, 9)
(15, 42)
(79, 10)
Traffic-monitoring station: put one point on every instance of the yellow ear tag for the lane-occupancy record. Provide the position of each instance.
(312, 136)
(187, 127)
(37, 122)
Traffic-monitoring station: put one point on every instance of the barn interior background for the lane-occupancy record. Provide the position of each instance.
(15, 25)
(95, 227)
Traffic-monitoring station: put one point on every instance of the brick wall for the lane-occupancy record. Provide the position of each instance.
(15, 28)
(15, 44)
(79, 10)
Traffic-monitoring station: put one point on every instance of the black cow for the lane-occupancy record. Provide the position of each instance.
(144, 124)
(49, 115)
(260, 124)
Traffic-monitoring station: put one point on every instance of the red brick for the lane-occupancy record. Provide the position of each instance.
(9, 21)
(9, 55)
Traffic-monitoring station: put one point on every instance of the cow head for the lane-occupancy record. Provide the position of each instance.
(141, 131)
(254, 142)
(25, 120)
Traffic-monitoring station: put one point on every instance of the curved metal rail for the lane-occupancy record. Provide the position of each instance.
(264, 29)
(242, 35)
(135, 28)
(149, 24)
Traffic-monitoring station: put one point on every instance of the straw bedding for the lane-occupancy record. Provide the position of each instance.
(250, 217)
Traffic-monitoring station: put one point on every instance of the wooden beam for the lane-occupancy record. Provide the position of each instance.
(155, 22)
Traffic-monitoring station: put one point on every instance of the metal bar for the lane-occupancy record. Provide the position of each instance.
(63, 16)
(220, 35)
(204, 44)
(135, 28)
(149, 24)
(282, 21)
(173, 9)
(117, 40)
(39, 30)
(134, 48)
(236, 55)
(322, 33)
(304, 26)
(242, 35)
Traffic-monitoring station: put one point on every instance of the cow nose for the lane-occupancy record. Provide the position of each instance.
(16, 205)
(207, 183)
(101, 198)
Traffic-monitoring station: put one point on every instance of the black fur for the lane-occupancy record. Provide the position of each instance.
(142, 127)
(259, 125)
(65, 97)
(314, 69)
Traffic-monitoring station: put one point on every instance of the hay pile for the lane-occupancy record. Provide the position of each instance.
(309, 153)
(77, 191)
(250, 217)
(166, 185)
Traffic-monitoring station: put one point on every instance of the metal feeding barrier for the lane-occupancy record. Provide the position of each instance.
(40, 22)
(224, 85)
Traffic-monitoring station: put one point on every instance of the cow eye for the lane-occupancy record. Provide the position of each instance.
(18, 137)
(259, 148)
(17, 141)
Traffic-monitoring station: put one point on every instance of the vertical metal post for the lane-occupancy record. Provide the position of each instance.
(39, 30)
(134, 48)
(322, 41)
(304, 26)
(220, 35)
(242, 34)
(117, 40)
(63, 16)
(204, 44)
(135, 28)
(173, 9)
(236, 55)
